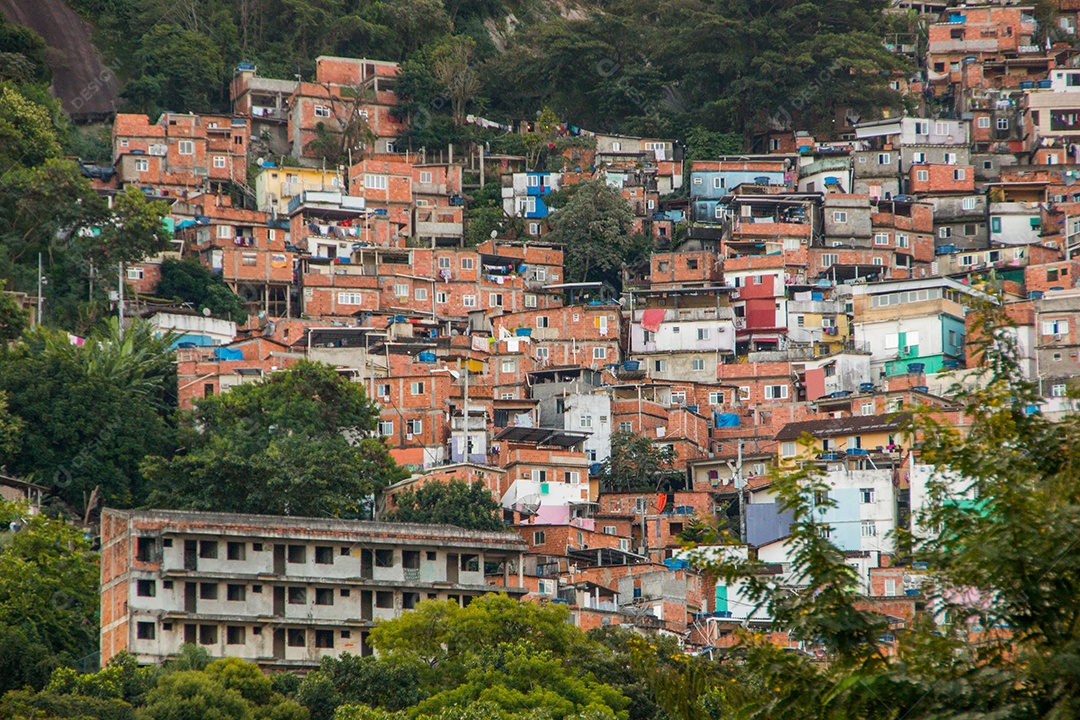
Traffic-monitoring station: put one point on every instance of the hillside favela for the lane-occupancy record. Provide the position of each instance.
(539, 360)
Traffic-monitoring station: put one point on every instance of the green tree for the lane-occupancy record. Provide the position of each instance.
(190, 282)
(135, 231)
(14, 319)
(27, 135)
(186, 67)
(594, 228)
(355, 680)
(454, 503)
(48, 587)
(296, 443)
(636, 464)
(90, 413)
(23, 55)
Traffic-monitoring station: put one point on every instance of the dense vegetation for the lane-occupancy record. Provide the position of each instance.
(625, 65)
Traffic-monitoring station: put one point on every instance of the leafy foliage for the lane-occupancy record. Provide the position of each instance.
(635, 463)
(48, 594)
(454, 503)
(594, 227)
(90, 413)
(296, 443)
(190, 282)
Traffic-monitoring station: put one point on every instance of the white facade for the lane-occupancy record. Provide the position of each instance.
(590, 413)
(686, 330)
(215, 331)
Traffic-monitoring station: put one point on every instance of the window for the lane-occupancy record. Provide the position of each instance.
(941, 128)
(542, 321)
(470, 562)
(440, 298)
(297, 554)
(444, 263)
(703, 334)
(776, 392)
(414, 426)
(868, 495)
(922, 175)
(144, 549)
(324, 596)
(950, 158)
(585, 421)
(468, 263)
(918, 157)
(541, 274)
(208, 591)
(530, 301)
(145, 588)
(1055, 327)
(324, 555)
(829, 259)
(296, 638)
(297, 595)
(1058, 391)
(881, 238)
(599, 353)
(902, 241)
(236, 550)
(883, 159)
(145, 630)
(542, 353)
(944, 232)
(235, 634)
(869, 528)
(207, 549)
(425, 176)
(1003, 123)
(839, 216)
(959, 174)
(716, 398)
(375, 182)
(416, 387)
(384, 558)
(420, 293)
(970, 203)
(508, 365)
(468, 301)
(660, 365)
(495, 300)
(984, 122)
(697, 364)
(235, 593)
(185, 147)
(219, 161)
(208, 634)
(142, 165)
(878, 261)
(401, 290)
(867, 408)
(787, 449)
(890, 587)
(321, 111)
(350, 298)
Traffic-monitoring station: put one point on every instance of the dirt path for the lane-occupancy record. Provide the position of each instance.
(82, 82)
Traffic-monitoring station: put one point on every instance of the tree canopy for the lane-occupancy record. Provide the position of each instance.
(189, 281)
(469, 506)
(298, 442)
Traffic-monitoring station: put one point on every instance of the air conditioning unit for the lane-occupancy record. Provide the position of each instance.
(386, 398)
(408, 436)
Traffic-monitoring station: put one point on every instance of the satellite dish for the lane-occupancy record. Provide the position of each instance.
(530, 504)
(206, 312)
(494, 234)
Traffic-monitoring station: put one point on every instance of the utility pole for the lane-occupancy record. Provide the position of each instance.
(120, 304)
(740, 487)
(40, 297)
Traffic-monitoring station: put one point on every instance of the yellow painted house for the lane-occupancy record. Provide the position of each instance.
(860, 441)
(276, 186)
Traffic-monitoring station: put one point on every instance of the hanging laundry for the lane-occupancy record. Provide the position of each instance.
(652, 319)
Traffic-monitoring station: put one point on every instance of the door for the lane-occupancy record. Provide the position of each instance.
(365, 605)
(190, 597)
(365, 565)
(191, 555)
(279, 644)
(279, 559)
(451, 567)
(279, 600)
